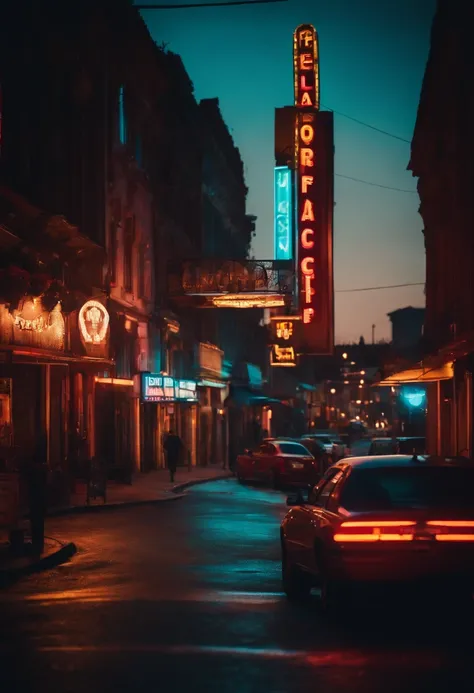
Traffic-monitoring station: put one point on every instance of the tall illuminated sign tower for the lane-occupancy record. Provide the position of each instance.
(314, 174)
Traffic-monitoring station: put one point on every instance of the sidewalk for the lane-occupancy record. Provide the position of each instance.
(146, 488)
(11, 567)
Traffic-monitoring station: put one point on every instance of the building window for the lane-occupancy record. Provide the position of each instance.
(129, 237)
(122, 121)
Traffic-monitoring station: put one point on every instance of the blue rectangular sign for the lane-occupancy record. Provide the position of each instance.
(163, 388)
(283, 214)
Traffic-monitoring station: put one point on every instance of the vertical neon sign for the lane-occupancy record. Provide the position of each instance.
(306, 67)
(314, 153)
(283, 232)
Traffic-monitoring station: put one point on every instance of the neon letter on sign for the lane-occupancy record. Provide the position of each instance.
(306, 243)
(283, 217)
(306, 67)
(307, 134)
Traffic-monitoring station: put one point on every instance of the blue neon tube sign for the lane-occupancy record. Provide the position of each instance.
(283, 231)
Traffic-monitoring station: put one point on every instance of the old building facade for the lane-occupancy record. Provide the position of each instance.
(442, 159)
(101, 197)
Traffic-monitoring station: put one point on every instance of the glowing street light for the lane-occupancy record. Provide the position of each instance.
(344, 356)
(333, 391)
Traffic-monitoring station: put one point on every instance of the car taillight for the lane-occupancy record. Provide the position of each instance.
(372, 531)
(452, 530)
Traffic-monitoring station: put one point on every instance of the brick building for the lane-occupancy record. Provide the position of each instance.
(442, 158)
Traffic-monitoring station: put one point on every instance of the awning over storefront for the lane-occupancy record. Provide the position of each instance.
(418, 374)
(244, 397)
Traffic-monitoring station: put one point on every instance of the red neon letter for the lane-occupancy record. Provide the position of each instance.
(306, 156)
(308, 289)
(306, 181)
(307, 214)
(306, 100)
(305, 266)
(307, 134)
(306, 240)
(303, 85)
(306, 37)
(308, 314)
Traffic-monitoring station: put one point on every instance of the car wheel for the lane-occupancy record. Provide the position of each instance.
(296, 584)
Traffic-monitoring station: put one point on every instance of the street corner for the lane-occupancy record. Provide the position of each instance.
(13, 568)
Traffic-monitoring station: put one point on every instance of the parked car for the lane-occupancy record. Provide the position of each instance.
(319, 452)
(333, 444)
(403, 446)
(279, 462)
(393, 519)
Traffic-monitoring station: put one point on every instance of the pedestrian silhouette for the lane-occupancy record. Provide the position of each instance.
(172, 446)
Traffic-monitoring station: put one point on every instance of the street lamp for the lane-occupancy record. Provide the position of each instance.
(333, 391)
(362, 381)
(344, 356)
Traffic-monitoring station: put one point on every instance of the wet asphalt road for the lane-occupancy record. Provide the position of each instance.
(186, 597)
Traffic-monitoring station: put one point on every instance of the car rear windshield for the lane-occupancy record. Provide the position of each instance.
(324, 439)
(409, 487)
(406, 447)
(293, 449)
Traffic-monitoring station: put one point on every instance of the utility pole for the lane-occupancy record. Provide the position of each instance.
(373, 334)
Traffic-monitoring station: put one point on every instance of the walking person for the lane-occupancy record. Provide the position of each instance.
(36, 476)
(172, 446)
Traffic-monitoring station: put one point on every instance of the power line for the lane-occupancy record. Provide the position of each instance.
(376, 185)
(207, 4)
(372, 127)
(376, 288)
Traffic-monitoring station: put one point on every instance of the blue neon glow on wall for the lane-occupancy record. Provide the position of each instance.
(414, 398)
(283, 215)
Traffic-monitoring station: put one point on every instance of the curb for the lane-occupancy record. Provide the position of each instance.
(194, 482)
(84, 509)
(52, 560)
(175, 494)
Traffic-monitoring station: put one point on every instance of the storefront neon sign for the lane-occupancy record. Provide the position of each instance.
(93, 322)
(164, 388)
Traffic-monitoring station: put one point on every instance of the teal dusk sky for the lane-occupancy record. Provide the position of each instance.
(373, 56)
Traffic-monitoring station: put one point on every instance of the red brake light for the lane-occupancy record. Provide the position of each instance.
(452, 530)
(371, 531)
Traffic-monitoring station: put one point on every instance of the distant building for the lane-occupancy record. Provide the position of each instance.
(407, 327)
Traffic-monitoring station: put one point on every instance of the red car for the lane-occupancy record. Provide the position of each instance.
(279, 462)
(394, 519)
